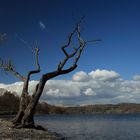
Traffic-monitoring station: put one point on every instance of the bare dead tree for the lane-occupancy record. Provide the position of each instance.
(25, 115)
(24, 99)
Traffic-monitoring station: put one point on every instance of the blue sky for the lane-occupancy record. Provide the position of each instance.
(116, 22)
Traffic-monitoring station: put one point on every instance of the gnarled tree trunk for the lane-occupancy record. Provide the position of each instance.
(24, 100)
(27, 119)
(25, 115)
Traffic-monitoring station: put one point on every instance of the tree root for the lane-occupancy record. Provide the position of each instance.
(32, 126)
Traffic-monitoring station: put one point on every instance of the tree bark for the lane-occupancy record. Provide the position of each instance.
(24, 100)
(28, 118)
(25, 116)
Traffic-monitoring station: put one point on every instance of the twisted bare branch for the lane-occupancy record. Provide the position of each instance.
(37, 70)
(76, 54)
(36, 52)
(9, 67)
(93, 41)
(67, 55)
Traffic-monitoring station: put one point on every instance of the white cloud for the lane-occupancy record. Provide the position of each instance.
(80, 76)
(136, 77)
(53, 92)
(104, 75)
(42, 25)
(15, 87)
(89, 92)
(99, 86)
(67, 89)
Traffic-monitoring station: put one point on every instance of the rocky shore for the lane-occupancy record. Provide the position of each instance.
(7, 132)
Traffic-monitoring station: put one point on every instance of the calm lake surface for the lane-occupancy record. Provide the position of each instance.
(94, 127)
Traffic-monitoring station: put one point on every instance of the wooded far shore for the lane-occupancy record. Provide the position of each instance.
(9, 104)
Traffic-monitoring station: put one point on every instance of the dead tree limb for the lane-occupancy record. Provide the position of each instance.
(29, 112)
(9, 67)
(24, 100)
(25, 116)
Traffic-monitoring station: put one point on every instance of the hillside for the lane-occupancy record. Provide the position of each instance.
(90, 109)
(9, 105)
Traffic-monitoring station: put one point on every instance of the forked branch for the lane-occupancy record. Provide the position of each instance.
(9, 67)
(37, 70)
(75, 50)
(76, 54)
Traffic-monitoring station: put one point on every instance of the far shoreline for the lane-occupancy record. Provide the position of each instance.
(47, 109)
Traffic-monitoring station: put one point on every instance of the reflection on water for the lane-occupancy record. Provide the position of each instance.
(94, 127)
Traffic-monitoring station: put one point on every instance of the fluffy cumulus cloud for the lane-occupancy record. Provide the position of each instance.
(95, 87)
(81, 76)
(89, 92)
(136, 77)
(104, 75)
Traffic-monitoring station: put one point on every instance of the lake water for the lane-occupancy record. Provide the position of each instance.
(94, 127)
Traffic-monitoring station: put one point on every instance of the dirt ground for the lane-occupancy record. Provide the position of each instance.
(9, 133)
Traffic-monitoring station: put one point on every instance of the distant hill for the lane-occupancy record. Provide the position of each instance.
(9, 103)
